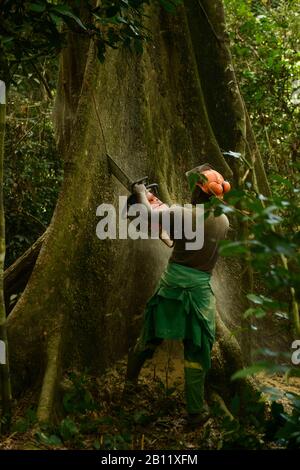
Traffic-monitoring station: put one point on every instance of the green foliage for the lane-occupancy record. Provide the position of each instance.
(272, 233)
(270, 246)
(289, 432)
(236, 436)
(120, 425)
(265, 46)
(25, 423)
(268, 241)
(68, 429)
(48, 439)
(33, 169)
(142, 417)
(283, 426)
(31, 30)
(279, 426)
(78, 399)
(248, 431)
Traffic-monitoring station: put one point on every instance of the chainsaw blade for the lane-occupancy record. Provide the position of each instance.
(119, 173)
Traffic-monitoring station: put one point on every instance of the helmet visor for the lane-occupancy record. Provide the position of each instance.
(195, 175)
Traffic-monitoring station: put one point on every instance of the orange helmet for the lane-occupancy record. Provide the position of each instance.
(214, 182)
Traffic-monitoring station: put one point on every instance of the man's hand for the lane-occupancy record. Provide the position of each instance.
(139, 189)
(141, 192)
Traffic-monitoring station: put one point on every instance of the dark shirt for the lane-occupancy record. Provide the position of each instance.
(204, 259)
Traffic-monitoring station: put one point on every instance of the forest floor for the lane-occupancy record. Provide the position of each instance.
(97, 417)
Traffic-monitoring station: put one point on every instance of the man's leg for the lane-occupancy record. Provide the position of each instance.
(137, 357)
(194, 385)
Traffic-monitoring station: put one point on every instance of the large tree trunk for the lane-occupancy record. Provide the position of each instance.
(161, 113)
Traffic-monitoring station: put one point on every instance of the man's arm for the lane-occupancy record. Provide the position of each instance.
(164, 217)
(171, 219)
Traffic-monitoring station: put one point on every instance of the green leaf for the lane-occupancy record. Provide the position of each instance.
(251, 370)
(235, 404)
(65, 11)
(254, 312)
(106, 420)
(283, 315)
(57, 20)
(228, 248)
(170, 6)
(96, 444)
(256, 299)
(193, 179)
(7, 40)
(37, 7)
(234, 196)
(141, 417)
(226, 209)
(68, 429)
(233, 154)
(263, 300)
(51, 440)
(273, 393)
(54, 440)
(22, 425)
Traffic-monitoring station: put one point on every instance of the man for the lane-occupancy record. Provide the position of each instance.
(183, 305)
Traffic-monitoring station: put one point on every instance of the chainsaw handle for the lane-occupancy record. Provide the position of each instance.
(143, 180)
(153, 187)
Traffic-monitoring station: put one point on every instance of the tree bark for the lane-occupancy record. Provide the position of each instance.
(160, 113)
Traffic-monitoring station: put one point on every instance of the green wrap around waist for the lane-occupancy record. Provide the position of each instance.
(183, 308)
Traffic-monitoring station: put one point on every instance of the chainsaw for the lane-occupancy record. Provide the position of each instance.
(152, 193)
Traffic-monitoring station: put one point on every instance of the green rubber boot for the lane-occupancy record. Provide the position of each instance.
(198, 411)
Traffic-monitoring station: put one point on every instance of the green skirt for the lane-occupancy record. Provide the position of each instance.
(182, 308)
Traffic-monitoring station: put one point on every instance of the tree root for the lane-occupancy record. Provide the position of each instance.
(217, 399)
(17, 275)
(51, 378)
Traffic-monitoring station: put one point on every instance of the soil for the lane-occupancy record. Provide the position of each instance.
(152, 417)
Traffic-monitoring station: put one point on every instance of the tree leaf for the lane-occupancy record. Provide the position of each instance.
(65, 11)
(254, 312)
(230, 153)
(228, 248)
(68, 429)
(37, 7)
(251, 370)
(51, 440)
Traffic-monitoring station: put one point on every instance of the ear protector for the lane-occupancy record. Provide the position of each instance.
(214, 184)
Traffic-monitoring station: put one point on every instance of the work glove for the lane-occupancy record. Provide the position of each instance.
(139, 188)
